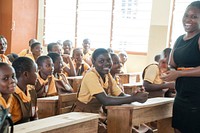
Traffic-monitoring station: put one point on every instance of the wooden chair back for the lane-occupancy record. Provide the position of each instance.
(65, 102)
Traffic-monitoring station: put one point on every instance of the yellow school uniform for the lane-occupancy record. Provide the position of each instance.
(62, 84)
(48, 86)
(87, 55)
(4, 103)
(16, 112)
(92, 84)
(30, 55)
(4, 58)
(82, 68)
(24, 52)
(152, 74)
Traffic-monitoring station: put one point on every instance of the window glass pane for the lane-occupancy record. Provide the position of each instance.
(60, 20)
(94, 22)
(131, 25)
(131, 22)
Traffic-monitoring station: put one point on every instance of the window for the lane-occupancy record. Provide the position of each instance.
(60, 18)
(120, 24)
(177, 26)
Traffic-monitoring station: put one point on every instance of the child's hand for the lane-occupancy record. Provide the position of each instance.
(141, 97)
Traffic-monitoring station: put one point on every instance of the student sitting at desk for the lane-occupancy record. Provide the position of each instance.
(61, 81)
(24, 52)
(116, 69)
(8, 83)
(45, 85)
(123, 59)
(3, 48)
(67, 47)
(25, 98)
(80, 65)
(99, 88)
(36, 51)
(152, 78)
(68, 67)
(87, 52)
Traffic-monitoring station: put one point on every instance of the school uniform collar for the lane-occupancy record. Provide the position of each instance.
(105, 84)
(3, 101)
(22, 95)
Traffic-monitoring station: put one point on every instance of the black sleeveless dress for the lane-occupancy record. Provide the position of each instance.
(186, 110)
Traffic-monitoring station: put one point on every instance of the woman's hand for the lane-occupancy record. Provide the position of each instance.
(170, 75)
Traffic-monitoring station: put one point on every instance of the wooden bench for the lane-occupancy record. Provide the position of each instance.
(74, 122)
(54, 105)
(47, 106)
(122, 118)
(65, 102)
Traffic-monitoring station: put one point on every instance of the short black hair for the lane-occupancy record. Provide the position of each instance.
(40, 60)
(22, 64)
(54, 56)
(98, 52)
(33, 45)
(195, 4)
(74, 50)
(50, 46)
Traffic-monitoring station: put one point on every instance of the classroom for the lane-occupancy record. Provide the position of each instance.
(106, 66)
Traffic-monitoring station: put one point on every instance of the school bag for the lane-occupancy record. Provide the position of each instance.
(5, 121)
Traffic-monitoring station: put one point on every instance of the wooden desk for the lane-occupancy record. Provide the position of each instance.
(131, 87)
(75, 82)
(130, 77)
(122, 118)
(74, 122)
(47, 106)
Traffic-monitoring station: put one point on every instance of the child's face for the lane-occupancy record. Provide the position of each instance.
(67, 48)
(58, 64)
(103, 64)
(86, 45)
(3, 45)
(78, 56)
(163, 65)
(47, 67)
(123, 58)
(116, 67)
(8, 81)
(33, 75)
(37, 50)
(57, 49)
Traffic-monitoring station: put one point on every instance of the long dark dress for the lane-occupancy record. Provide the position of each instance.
(186, 110)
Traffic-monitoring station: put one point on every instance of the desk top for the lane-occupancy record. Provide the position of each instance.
(133, 73)
(54, 122)
(75, 77)
(133, 84)
(51, 98)
(149, 103)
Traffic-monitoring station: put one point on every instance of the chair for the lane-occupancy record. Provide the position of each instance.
(65, 102)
